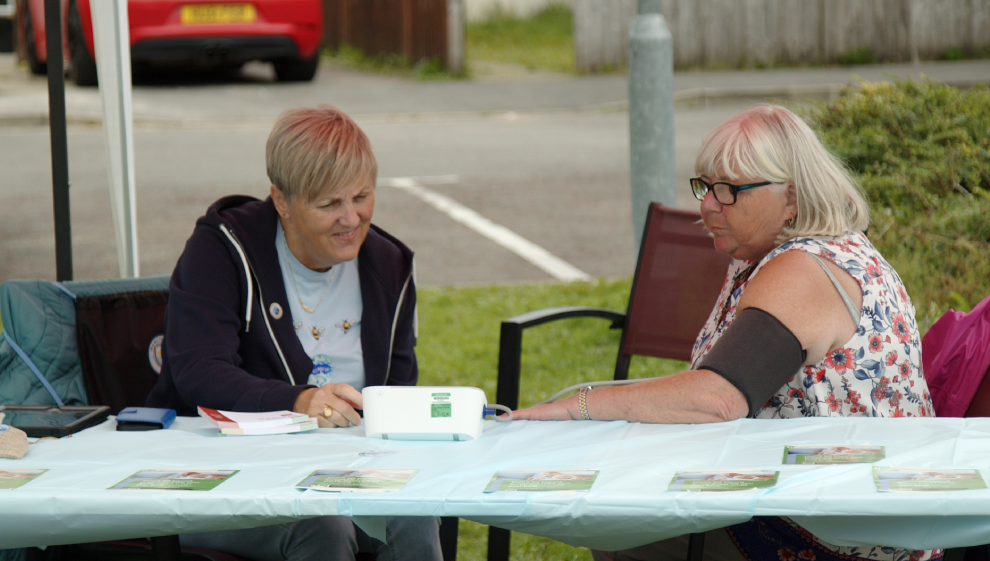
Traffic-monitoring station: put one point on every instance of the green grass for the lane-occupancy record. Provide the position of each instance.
(472, 545)
(458, 345)
(459, 330)
(544, 40)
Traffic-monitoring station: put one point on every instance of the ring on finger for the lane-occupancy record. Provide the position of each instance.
(327, 412)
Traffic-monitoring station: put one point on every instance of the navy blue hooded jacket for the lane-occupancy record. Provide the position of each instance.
(225, 348)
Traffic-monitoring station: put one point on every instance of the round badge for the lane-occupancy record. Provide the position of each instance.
(155, 353)
(322, 371)
(275, 310)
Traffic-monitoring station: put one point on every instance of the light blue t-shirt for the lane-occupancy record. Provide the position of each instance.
(331, 334)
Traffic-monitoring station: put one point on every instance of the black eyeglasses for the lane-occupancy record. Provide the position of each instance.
(725, 193)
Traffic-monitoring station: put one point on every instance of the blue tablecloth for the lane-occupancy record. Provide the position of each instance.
(628, 505)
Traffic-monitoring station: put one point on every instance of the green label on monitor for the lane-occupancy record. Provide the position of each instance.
(440, 410)
(440, 405)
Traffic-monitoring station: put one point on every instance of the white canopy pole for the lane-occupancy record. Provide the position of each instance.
(111, 33)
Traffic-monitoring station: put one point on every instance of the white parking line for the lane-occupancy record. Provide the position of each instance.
(546, 261)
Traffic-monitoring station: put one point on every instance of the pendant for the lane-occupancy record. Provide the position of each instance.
(317, 331)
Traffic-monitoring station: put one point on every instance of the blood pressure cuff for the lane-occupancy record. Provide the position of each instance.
(757, 354)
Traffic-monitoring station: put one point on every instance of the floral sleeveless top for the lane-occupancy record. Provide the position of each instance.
(877, 373)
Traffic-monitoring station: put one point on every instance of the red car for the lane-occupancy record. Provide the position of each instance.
(210, 32)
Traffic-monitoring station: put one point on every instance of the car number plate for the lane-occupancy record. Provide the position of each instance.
(198, 14)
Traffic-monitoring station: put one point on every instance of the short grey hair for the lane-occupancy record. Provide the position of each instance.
(771, 143)
(317, 150)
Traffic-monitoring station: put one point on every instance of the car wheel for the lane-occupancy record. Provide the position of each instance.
(36, 65)
(297, 70)
(83, 69)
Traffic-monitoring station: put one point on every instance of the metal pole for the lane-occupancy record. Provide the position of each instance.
(455, 36)
(60, 141)
(651, 114)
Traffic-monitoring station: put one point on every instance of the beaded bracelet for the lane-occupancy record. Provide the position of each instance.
(583, 403)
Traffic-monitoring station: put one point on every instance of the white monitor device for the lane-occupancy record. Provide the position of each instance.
(423, 412)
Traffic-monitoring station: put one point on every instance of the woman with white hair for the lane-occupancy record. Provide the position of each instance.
(811, 320)
(297, 302)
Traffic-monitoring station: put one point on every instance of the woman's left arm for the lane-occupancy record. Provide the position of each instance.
(694, 396)
(792, 288)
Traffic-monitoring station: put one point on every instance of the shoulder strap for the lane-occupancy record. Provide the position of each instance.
(34, 368)
(853, 312)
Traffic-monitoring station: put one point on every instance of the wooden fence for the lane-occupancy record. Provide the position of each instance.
(734, 33)
(415, 29)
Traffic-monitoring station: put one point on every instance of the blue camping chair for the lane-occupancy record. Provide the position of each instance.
(86, 343)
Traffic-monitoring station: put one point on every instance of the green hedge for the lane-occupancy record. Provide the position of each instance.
(922, 154)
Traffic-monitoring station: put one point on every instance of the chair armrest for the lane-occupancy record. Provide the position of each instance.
(510, 344)
(529, 319)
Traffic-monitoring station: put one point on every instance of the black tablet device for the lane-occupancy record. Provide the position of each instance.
(50, 420)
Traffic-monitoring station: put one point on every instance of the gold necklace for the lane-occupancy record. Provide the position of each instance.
(295, 286)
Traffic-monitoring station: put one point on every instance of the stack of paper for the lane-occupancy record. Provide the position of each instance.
(266, 422)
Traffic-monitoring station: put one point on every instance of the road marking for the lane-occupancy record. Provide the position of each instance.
(546, 261)
(421, 180)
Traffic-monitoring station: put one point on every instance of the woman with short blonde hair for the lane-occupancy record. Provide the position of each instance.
(297, 302)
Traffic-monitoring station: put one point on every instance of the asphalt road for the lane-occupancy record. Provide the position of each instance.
(545, 156)
(561, 182)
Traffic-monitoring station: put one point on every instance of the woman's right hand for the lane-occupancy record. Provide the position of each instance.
(340, 400)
